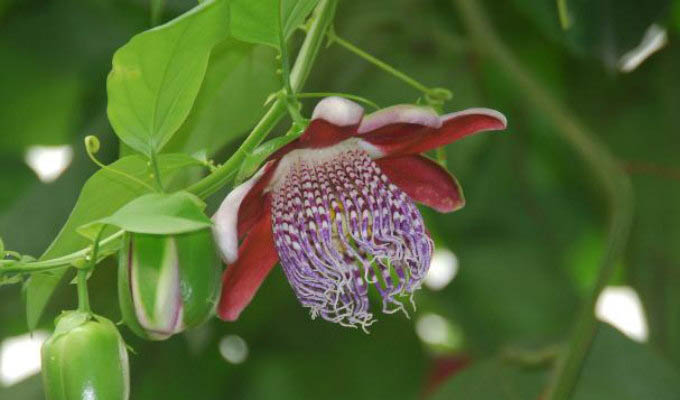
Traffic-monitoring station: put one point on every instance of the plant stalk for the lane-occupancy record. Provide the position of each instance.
(323, 16)
(83, 295)
(298, 75)
(613, 181)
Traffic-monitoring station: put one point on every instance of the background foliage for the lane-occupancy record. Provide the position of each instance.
(528, 241)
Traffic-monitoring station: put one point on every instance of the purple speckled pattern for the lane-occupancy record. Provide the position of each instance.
(340, 226)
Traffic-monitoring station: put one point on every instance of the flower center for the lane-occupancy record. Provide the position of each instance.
(340, 227)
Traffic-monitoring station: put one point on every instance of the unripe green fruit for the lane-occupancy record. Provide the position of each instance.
(168, 283)
(85, 358)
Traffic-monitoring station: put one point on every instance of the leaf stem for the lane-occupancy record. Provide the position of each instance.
(156, 171)
(432, 95)
(298, 75)
(356, 98)
(283, 51)
(83, 295)
(226, 172)
(611, 179)
(156, 11)
(92, 147)
(563, 12)
(108, 245)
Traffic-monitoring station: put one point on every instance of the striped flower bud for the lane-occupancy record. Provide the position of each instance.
(167, 284)
(85, 358)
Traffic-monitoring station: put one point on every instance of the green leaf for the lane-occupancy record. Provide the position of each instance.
(258, 21)
(616, 368)
(103, 193)
(493, 380)
(69, 320)
(253, 161)
(619, 368)
(157, 75)
(155, 213)
(240, 76)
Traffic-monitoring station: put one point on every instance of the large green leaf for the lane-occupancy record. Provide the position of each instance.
(616, 368)
(155, 213)
(493, 380)
(619, 369)
(258, 21)
(157, 75)
(240, 76)
(104, 193)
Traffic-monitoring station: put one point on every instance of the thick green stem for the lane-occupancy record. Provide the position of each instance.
(298, 76)
(610, 177)
(109, 245)
(226, 172)
(83, 295)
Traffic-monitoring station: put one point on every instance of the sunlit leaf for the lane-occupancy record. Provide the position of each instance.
(258, 21)
(155, 213)
(239, 78)
(156, 76)
(104, 193)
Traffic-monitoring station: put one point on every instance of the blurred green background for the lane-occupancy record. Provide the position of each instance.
(527, 246)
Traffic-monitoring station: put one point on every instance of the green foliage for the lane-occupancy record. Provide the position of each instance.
(258, 21)
(155, 213)
(157, 75)
(494, 380)
(617, 368)
(251, 164)
(239, 78)
(104, 193)
(603, 29)
(528, 242)
(36, 86)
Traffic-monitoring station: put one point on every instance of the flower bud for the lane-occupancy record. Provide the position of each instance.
(85, 358)
(167, 283)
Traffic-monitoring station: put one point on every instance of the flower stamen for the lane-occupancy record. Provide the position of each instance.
(341, 227)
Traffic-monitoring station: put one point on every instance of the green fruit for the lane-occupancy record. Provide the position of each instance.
(167, 284)
(85, 358)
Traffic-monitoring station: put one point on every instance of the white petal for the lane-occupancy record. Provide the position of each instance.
(338, 111)
(225, 220)
(484, 111)
(402, 113)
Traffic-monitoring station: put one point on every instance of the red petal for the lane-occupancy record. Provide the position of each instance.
(401, 138)
(256, 257)
(424, 181)
(253, 205)
(227, 225)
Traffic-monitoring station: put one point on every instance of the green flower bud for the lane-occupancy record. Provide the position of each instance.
(168, 283)
(85, 358)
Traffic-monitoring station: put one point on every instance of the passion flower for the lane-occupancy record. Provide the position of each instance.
(337, 208)
(167, 284)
